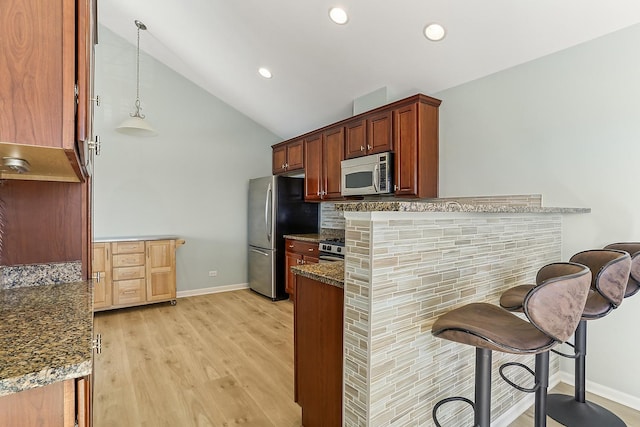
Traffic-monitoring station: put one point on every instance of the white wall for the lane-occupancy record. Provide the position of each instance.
(566, 126)
(190, 181)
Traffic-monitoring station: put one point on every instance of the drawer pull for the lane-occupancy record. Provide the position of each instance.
(130, 292)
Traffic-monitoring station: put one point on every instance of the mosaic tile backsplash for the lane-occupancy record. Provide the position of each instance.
(400, 275)
(17, 276)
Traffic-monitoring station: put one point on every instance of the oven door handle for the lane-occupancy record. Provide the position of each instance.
(330, 258)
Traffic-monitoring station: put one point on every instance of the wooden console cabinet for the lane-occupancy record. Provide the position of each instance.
(297, 252)
(130, 273)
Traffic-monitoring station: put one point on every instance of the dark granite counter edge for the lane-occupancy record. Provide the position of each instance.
(330, 273)
(133, 238)
(45, 377)
(395, 206)
(312, 238)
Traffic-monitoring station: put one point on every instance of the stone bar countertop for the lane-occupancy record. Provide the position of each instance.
(331, 273)
(450, 205)
(45, 335)
(133, 238)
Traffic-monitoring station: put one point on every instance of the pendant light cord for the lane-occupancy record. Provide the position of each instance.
(140, 26)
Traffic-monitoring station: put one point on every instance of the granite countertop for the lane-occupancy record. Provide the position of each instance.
(331, 273)
(449, 206)
(133, 238)
(45, 335)
(324, 234)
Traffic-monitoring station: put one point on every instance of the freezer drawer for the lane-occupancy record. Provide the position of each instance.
(262, 268)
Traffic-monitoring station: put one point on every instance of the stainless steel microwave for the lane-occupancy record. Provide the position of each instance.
(367, 175)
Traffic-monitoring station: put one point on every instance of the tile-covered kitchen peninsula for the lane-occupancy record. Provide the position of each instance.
(408, 262)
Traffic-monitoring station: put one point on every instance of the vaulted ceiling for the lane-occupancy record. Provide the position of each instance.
(320, 67)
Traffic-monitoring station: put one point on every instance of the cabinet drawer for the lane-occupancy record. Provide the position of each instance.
(127, 247)
(128, 291)
(128, 260)
(128, 273)
(305, 248)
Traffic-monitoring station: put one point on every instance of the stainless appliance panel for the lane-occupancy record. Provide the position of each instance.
(262, 211)
(262, 271)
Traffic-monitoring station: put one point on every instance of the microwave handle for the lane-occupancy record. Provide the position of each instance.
(376, 177)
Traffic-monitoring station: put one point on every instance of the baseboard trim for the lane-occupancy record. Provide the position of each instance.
(211, 290)
(519, 408)
(617, 396)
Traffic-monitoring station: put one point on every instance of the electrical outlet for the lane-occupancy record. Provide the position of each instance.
(213, 273)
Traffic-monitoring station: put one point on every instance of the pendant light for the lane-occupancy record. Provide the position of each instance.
(136, 125)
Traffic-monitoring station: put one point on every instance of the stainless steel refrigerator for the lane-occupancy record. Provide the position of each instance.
(276, 208)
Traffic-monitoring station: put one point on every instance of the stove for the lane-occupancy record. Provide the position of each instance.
(331, 249)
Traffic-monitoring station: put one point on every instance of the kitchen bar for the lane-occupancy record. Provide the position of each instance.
(409, 262)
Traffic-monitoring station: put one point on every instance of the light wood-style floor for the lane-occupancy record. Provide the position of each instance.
(213, 360)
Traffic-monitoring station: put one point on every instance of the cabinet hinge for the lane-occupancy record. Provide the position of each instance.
(76, 91)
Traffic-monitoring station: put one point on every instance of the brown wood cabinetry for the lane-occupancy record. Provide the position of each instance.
(61, 404)
(408, 128)
(318, 331)
(415, 136)
(369, 135)
(47, 52)
(141, 272)
(288, 157)
(296, 253)
(323, 153)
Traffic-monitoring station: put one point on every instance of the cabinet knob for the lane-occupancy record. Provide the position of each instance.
(96, 100)
(286, 165)
(395, 187)
(297, 261)
(291, 246)
(368, 147)
(362, 148)
(310, 249)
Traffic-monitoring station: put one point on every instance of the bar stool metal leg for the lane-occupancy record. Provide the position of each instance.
(576, 411)
(542, 383)
(483, 388)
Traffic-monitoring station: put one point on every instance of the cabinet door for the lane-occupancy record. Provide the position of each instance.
(379, 133)
(161, 270)
(313, 167)
(101, 265)
(279, 159)
(406, 146)
(355, 138)
(38, 75)
(295, 155)
(291, 259)
(332, 156)
(87, 38)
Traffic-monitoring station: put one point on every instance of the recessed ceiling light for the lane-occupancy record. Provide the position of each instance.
(338, 15)
(434, 32)
(264, 72)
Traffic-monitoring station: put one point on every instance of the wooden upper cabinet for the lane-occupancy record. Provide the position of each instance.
(47, 62)
(332, 156)
(415, 136)
(313, 167)
(323, 152)
(369, 135)
(38, 72)
(288, 157)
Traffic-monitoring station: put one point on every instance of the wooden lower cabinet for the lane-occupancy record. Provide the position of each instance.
(318, 327)
(297, 252)
(133, 273)
(61, 404)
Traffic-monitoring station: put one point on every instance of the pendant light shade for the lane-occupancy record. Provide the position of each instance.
(136, 125)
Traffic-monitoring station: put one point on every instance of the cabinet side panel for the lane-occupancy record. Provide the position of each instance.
(43, 222)
(428, 151)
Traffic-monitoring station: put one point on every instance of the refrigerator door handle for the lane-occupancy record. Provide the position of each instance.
(266, 212)
(259, 252)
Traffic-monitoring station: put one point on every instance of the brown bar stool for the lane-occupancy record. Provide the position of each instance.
(553, 307)
(633, 249)
(610, 273)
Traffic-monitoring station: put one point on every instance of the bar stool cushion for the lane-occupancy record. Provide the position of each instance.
(633, 248)
(553, 308)
(608, 267)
